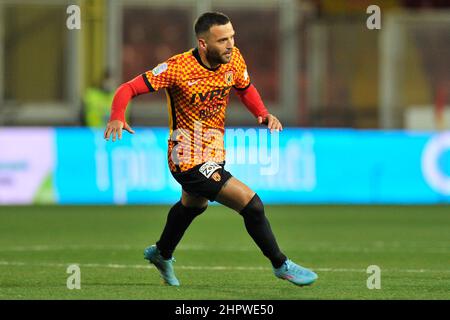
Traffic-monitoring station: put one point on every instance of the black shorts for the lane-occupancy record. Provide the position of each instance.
(204, 180)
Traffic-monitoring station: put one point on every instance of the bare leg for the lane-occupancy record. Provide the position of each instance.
(235, 195)
(189, 200)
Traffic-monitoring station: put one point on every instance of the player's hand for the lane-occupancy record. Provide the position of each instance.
(115, 127)
(271, 121)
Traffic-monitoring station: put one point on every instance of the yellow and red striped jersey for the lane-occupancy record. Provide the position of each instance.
(197, 97)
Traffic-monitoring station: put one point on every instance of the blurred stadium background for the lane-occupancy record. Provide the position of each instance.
(366, 110)
(316, 64)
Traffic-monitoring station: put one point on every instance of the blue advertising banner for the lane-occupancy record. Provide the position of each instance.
(294, 166)
(132, 170)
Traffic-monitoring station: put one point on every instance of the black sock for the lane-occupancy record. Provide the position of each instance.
(178, 220)
(259, 229)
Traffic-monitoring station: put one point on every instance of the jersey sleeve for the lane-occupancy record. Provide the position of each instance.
(242, 79)
(164, 75)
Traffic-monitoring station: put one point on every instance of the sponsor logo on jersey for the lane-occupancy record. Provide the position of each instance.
(159, 69)
(221, 93)
(208, 168)
(191, 83)
(209, 111)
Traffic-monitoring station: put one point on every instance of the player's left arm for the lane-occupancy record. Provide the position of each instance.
(250, 97)
(252, 100)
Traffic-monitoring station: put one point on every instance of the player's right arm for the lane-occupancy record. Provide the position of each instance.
(162, 76)
(123, 95)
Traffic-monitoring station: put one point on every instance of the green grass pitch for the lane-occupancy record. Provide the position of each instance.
(218, 260)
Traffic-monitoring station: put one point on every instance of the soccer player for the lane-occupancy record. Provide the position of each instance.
(198, 83)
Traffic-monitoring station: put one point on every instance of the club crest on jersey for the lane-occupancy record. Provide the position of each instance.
(229, 78)
(208, 168)
(159, 69)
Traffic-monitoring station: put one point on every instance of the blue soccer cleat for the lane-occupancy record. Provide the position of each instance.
(164, 267)
(294, 273)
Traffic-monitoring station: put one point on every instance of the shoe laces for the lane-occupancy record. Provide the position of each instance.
(295, 268)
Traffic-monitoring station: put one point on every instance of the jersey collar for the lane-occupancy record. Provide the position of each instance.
(199, 60)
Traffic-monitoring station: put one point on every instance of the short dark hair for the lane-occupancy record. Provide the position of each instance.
(209, 19)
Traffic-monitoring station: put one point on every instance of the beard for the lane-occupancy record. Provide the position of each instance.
(214, 57)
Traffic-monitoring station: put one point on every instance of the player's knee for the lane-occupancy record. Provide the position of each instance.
(254, 210)
(194, 211)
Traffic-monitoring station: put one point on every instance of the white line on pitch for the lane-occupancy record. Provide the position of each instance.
(374, 247)
(256, 268)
